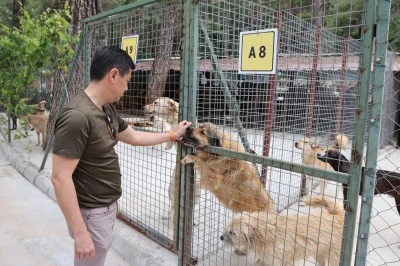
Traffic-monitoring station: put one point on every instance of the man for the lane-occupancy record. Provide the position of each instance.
(86, 174)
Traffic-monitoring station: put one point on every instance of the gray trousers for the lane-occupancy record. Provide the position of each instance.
(100, 223)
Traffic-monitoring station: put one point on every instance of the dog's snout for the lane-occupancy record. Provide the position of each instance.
(188, 131)
(222, 237)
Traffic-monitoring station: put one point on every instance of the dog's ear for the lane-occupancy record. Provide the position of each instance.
(173, 106)
(314, 145)
(254, 235)
(215, 141)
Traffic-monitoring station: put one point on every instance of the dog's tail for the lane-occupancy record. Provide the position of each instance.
(333, 206)
(341, 141)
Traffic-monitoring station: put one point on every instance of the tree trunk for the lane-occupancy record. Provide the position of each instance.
(79, 11)
(163, 53)
(318, 13)
(16, 12)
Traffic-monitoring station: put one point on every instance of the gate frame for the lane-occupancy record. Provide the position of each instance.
(374, 128)
(357, 143)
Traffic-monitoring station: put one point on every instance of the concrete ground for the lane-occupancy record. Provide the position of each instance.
(33, 230)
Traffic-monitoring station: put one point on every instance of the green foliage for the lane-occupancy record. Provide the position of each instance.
(394, 28)
(344, 17)
(39, 47)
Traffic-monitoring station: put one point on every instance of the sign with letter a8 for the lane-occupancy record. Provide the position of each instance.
(258, 51)
(130, 45)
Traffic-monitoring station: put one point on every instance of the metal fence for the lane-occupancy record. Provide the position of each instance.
(330, 79)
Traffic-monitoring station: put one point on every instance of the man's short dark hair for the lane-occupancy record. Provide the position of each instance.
(107, 58)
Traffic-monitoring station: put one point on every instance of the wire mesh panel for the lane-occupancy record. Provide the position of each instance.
(148, 173)
(26, 131)
(306, 107)
(30, 131)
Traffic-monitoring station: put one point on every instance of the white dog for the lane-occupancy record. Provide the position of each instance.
(283, 240)
(165, 115)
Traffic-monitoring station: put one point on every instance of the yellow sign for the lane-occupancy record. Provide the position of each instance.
(130, 45)
(258, 51)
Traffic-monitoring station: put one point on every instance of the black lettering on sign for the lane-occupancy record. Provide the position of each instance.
(262, 51)
(129, 49)
(252, 52)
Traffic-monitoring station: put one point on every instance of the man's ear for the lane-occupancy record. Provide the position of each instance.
(112, 74)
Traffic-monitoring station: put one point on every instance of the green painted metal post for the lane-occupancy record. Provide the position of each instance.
(194, 66)
(359, 134)
(119, 10)
(374, 128)
(186, 186)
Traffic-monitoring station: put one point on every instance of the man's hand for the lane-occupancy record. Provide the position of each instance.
(181, 128)
(84, 247)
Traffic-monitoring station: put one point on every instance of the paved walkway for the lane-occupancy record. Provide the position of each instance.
(33, 230)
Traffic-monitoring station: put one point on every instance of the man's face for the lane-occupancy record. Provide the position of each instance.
(121, 84)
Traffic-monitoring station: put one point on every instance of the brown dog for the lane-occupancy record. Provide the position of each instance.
(39, 123)
(283, 240)
(310, 150)
(234, 182)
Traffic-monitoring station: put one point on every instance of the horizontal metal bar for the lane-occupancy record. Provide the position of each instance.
(148, 231)
(293, 167)
(121, 9)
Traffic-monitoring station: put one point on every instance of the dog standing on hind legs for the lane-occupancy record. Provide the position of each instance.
(234, 182)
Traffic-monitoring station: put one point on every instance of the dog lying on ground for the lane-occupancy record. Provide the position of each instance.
(386, 182)
(283, 240)
(164, 113)
(234, 182)
(310, 151)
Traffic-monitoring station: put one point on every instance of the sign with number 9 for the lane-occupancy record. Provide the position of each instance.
(130, 45)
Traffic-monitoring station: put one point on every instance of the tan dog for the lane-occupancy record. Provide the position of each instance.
(234, 182)
(39, 123)
(40, 108)
(312, 149)
(165, 108)
(283, 240)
